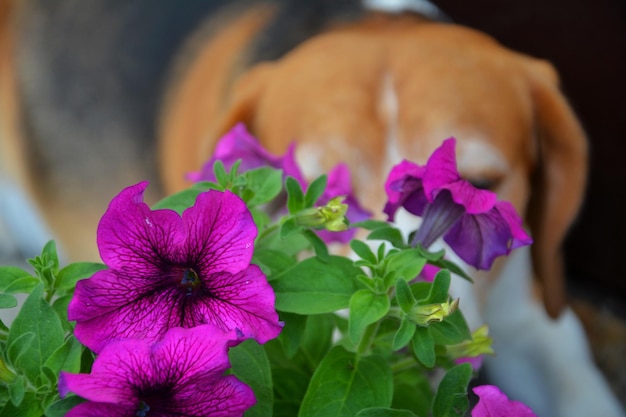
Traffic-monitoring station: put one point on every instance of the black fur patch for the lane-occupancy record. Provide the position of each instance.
(298, 21)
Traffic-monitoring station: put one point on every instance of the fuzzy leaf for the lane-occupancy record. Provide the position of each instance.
(37, 317)
(315, 191)
(451, 398)
(424, 346)
(366, 308)
(251, 366)
(345, 383)
(315, 287)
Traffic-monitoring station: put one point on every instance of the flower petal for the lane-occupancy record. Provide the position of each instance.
(518, 234)
(221, 233)
(479, 239)
(404, 189)
(441, 174)
(133, 238)
(224, 397)
(91, 409)
(239, 144)
(493, 403)
(109, 307)
(242, 301)
(185, 369)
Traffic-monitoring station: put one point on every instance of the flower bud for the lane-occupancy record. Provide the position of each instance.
(330, 216)
(423, 315)
(479, 345)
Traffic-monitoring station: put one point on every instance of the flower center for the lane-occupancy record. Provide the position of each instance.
(190, 281)
(142, 409)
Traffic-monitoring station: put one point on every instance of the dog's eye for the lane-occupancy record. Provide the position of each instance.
(485, 183)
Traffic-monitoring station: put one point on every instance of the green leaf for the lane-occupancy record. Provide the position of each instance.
(412, 391)
(424, 346)
(404, 295)
(29, 407)
(290, 386)
(7, 301)
(454, 268)
(366, 308)
(250, 364)
(315, 191)
(407, 263)
(388, 233)
(371, 224)
(319, 246)
(17, 389)
(60, 407)
(384, 412)
(22, 285)
(60, 306)
(185, 198)
(289, 228)
(452, 330)
(68, 276)
(19, 346)
(295, 196)
(67, 357)
(10, 274)
(46, 265)
(363, 250)
(315, 287)
(292, 333)
(345, 383)
(265, 183)
(317, 338)
(403, 336)
(48, 379)
(37, 317)
(439, 291)
(272, 261)
(451, 398)
(221, 176)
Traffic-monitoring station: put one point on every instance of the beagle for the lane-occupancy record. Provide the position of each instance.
(367, 84)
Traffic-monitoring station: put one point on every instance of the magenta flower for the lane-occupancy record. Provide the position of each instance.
(239, 144)
(170, 271)
(181, 375)
(493, 403)
(340, 184)
(472, 222)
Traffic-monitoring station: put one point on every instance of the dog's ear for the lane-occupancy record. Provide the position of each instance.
(558, 182)
(242, 105)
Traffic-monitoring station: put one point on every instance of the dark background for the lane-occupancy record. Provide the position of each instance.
(586, 41)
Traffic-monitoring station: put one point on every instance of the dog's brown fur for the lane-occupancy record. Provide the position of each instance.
(326, 89)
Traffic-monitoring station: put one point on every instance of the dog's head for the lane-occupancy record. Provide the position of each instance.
(385, 89)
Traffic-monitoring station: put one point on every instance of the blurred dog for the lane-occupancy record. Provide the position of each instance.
(98, 96)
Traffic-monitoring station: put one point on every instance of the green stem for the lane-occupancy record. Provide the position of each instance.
(403, 365)
(369, 335)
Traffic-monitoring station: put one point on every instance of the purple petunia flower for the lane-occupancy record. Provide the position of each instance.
(472, 222)
(239, 144)
(181, 375)
(340, 184)
(493, 403)
(170, 271)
